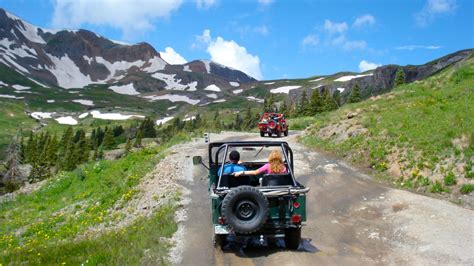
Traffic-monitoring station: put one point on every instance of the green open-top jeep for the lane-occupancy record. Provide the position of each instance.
(264, 206)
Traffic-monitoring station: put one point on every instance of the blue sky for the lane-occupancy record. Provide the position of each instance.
(272, 39)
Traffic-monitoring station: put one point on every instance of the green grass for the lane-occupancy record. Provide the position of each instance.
(467, 188)
(47, 221)
(300, 123)
(419, 123)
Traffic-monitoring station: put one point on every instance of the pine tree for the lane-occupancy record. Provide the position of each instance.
(315, 102)
(128, 146)
(109, 140)
(336, 96)
(284, 108)
(138, 139)
(118, 130)
(238, 122)
(328, 101)
(355, 94)
(399, 77)
(303, 108)
(148, 128)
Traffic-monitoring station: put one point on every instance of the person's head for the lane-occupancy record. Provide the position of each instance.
(234, 156)
(276, 161)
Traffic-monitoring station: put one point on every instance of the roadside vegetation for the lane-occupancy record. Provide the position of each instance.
(420, 135)
(50, 225)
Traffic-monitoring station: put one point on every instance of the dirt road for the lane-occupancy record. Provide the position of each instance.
(352, 220)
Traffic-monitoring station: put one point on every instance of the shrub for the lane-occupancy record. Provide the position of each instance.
(450, 179)
(467, 188)
(437, 187)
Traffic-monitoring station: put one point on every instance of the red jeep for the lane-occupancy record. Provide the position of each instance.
(273, 123)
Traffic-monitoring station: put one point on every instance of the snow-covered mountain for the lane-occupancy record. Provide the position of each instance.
(76, 59)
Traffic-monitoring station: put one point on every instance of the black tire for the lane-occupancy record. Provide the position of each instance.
(262, 134)
(285, 133)
(279, 133)
(245, 209)
(270, 134)
(292, 238)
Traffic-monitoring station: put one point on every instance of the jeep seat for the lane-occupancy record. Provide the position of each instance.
(231, 181)
(277, 180)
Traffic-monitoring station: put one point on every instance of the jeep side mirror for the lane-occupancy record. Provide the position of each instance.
(197, 160)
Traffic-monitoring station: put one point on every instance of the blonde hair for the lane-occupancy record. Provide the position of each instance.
(276, 162)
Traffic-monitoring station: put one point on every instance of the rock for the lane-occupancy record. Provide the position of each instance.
(114, 154)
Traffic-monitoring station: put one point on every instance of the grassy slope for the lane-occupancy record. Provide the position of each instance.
(40, 228)
(411, 132)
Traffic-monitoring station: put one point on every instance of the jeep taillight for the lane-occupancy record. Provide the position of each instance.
(221, 220)
(296, 218)
(296, 205)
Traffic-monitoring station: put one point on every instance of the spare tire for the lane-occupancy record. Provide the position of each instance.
(245, 209)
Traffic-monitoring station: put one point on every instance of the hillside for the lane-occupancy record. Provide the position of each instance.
(420, 136)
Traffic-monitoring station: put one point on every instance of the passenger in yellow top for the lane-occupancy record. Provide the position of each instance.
(275, 165)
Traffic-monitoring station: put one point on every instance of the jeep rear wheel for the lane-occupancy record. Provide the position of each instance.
(278, 133)
(285, 133)
(262, 134)
(245, 209)
(292, 238)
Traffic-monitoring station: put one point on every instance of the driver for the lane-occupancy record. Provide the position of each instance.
(234, 165)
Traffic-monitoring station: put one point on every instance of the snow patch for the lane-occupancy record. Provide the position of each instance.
(41, 115)
(67, 73)
(112, 116)
(212, 95)
(128, 89)
(212, 87)
(84, 102)
(219, 101)
(10, 96)
(174, 84)
(29, 31)
(189, 118)
(156, 63)
(269, 83)
(207, 64)
(186, 68)
(173, 98)
(284, 89)
(41, 84)
(234, 84)
(3, 84)
(164, 120)
(66, 120)
(315, 80)
(172, 107)
(50, 101)
(84, 115)
(341, 90)
(237, 91)
(20, 87)
(251, 98)
(347, 78)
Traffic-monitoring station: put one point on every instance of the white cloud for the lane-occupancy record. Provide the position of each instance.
(310, 40)
(244, 30)
(366, 65)
(366, 19)
(336, 36)
(413, 47)
(334, 27)
(128, 16)
(205, 4)
(172, 57)
(265, 2)
(353, 45)
(230, 53)
(434, 9)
